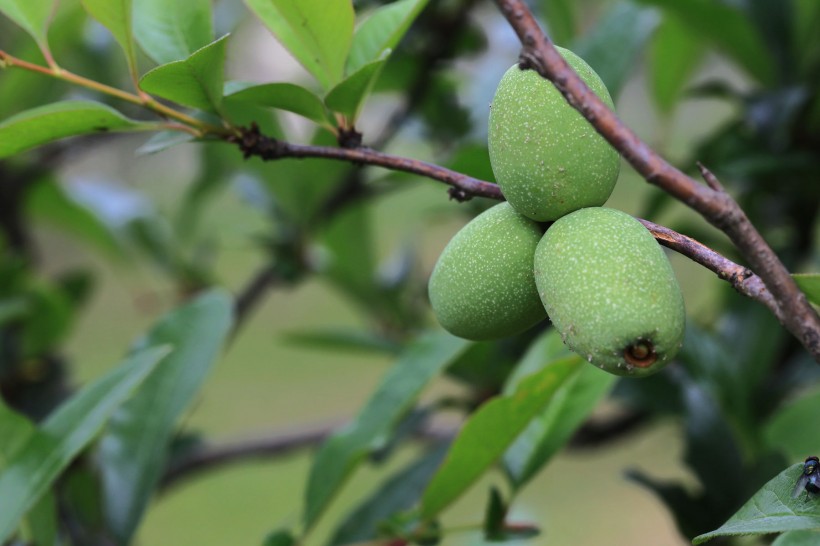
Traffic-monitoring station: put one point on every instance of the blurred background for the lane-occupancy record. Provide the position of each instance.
(159, 226)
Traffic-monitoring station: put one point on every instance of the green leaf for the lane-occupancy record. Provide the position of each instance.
(41, 459)
(726, 27)
(772, 510)
(279, 538)
(786, 429)
(347, 97)
(51, 122)
(284, 96)
(336, 459)
(357, 341)
(565, 412)
(559, 15)
(164, 140)
(398, 493)
(134, 449)
(49, 201)
(674, 55)
(171, 30)
(196, 81)
(382, 32)
(798, 538)
(16, 431)
(117, 17)
(809, 283)
(490, 431)
(31, 16)
(318, 33)
(612, 46)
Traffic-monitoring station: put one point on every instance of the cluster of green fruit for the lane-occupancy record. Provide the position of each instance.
(598, 273)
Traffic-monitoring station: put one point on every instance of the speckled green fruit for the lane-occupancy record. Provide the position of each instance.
(610, 291)
(483, 285)
(546, 157)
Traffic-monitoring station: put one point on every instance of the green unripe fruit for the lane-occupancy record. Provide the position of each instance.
(547, 159)
(483, 285)
(610, 291)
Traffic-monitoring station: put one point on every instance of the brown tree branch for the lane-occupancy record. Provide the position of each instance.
(715, 205)
(463, 187)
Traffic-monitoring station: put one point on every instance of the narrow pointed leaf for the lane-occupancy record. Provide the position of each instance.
(196, 81)
(809, 283)
(116, 16)
(171, 30)
(421, 362)
(284, 96)
(64, 434)
(51, 122)
(490, 431)
(382, 32)
(318, 33)
(772, 510)
(563, 414)
(347, 97)
(134, 448)
(31, 16)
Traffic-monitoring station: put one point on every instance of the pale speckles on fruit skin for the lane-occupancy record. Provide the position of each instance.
(482, 286)
(606, 284)
(547, 159)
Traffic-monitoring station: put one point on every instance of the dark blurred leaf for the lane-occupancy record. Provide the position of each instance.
(117, 17)
(196, 81)
(809, 283)
(134, 449)
(284, 96)
(398, 493)
(559, 15)
(279, 538)
(612, 46)
(675, 53)
(172, 30)
(688, 509)
(788, 429)
(318, 33)
(798, 538)
(41, 459)
(49, 318)
(564, 413)
(381, 32)
(490, 431)
(51, 122)
(357, 341)
(775, 24)
(728, 28)
(48, 200)
(421, 361)
(495, 515)
(33, 17)
(347, 96)
(772, 510)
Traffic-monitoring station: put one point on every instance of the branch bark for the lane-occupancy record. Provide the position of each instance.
(715, 205)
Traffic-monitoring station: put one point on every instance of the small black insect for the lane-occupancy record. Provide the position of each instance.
(810, 478)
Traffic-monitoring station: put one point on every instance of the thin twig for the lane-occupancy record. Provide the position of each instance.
(714, 205)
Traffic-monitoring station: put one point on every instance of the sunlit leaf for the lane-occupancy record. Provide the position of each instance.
(284, 96)
(490, 431)
(117, 17)
(134, 449)
(675, 53)
(31, 16)
(381, 32)
(347, 97)
(421, 362)
(318, 33)
(41, 459)
(171, 30)
(772, 510)
(196, 81)
(51, 122)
